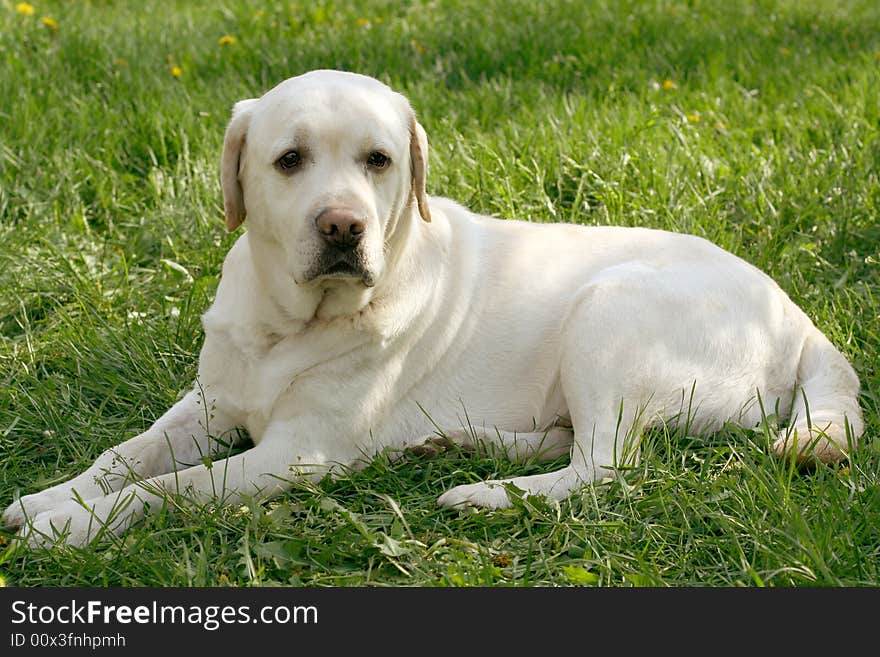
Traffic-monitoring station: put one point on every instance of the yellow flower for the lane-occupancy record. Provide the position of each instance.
(176, 71)
(24, 9)
(418, 46)
(227, 40)
(694, 117)
(668, 85)
(502, 560)
(51, 23)
(2, 581)
(363, 22)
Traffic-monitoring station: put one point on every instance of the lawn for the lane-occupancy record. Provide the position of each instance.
(752, 124)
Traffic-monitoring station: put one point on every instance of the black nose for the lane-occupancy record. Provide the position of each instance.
(340, 227)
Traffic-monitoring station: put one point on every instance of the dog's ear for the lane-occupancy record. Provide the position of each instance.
(418, 158)
(230, 165)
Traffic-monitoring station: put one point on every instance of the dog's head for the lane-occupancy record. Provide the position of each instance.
(326, 166)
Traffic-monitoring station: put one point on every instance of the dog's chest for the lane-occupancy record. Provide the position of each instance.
(258, 375)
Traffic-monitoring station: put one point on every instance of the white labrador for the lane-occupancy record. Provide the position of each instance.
(358, 314)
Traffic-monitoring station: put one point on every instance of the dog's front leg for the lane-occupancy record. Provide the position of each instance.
(266, 470)
(190, 430)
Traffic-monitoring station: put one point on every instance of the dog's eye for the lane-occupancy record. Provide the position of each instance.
(290, 160)
(378, 160)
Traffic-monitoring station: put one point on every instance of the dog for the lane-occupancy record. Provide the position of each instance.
(358, 315)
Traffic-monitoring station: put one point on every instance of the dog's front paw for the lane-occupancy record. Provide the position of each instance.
(67, 524)
(30, 506)
(15, 514)
(486, 494)
(449, 441)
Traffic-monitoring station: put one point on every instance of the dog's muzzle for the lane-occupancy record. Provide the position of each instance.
(342, 231)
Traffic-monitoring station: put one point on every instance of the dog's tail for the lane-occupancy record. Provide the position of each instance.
(826, 419)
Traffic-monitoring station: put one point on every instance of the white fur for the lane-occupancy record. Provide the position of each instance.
(495, 331)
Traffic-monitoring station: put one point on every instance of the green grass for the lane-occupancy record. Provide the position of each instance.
(764, 140)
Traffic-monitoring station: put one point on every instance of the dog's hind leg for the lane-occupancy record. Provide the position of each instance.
(591, 459)
(826, 420)
(603, 384)
(183, 436)
(606, 438)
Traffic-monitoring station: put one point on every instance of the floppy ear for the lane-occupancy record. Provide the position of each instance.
(418, 158)
(230, 164)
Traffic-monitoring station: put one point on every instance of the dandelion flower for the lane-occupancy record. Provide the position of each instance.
(694, 117)
(227, 40)
(176, 71)
(2, 579)
(502, 560)
(363, 22)
(51, 23)
(669, 85)
(24, 9)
